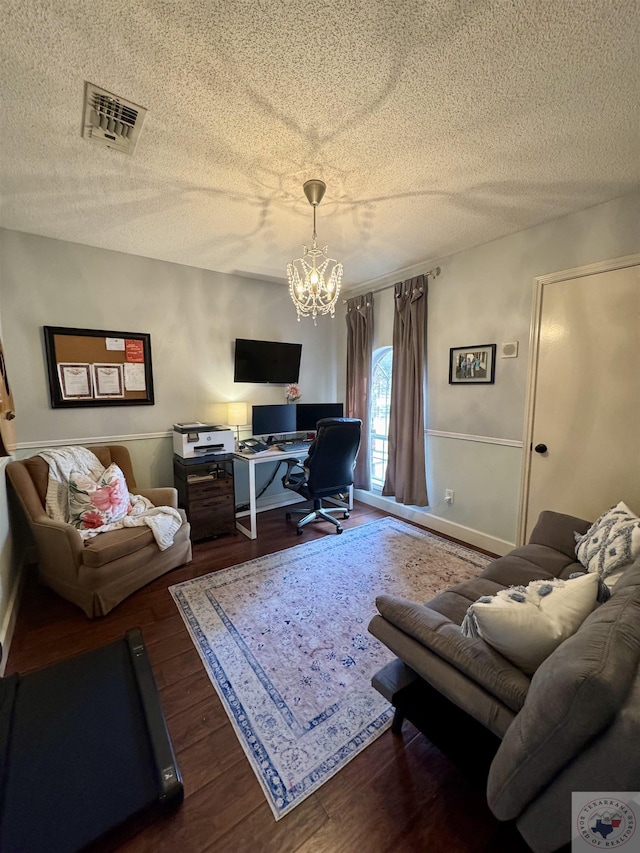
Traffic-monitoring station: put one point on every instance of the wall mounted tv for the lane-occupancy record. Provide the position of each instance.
(266, 361)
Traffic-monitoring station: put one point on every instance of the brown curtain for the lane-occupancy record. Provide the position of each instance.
(406, 477)
(359, 353)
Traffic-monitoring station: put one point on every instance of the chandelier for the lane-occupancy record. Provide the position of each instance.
(314, 279)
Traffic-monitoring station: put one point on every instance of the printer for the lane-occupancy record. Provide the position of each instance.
(194, 440)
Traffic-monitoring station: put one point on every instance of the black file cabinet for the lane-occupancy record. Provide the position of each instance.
(206, 493)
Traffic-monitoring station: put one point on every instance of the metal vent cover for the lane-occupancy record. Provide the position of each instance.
(111, 120)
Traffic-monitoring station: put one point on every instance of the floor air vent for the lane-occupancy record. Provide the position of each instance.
(110, 120)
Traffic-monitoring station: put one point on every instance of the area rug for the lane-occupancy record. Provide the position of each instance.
(284, 640)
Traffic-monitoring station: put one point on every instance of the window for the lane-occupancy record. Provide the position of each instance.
(380, 405)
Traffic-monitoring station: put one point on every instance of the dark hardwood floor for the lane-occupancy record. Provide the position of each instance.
(400, 794)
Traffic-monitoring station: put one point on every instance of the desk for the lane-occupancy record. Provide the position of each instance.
(253, 459)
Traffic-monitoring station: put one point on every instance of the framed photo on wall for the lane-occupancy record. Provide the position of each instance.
(94, 367)
(472, 365)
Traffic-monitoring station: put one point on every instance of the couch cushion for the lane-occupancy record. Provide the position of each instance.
(109, 546)
(573, 696)
(454, 603)
(520, 566)
(526, 623)
(471, 657)
(529, 563)
(557, 530)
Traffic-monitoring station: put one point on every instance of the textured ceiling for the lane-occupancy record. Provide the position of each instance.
(437, 125)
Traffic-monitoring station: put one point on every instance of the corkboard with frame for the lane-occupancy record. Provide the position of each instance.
(96, 367)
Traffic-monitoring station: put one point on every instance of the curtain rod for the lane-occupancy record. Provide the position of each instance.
(433, 273)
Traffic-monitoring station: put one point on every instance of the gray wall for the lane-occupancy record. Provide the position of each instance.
(484, 295)
(193, 317)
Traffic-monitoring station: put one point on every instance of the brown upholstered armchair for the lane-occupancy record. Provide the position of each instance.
(96, 574)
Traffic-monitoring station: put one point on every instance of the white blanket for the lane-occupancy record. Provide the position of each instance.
(163, 521)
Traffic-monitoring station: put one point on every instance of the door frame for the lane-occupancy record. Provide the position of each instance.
(539, 283)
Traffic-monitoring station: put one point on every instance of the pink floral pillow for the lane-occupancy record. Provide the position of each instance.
(93, 504)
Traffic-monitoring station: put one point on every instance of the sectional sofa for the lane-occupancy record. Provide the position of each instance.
(571, 725)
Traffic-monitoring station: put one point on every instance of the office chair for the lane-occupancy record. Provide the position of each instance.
(327, 470)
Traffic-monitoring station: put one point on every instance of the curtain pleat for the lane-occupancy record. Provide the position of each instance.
(406, 478)
(359, 355)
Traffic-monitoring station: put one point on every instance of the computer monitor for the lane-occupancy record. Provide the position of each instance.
(308, 414)
(273, 420)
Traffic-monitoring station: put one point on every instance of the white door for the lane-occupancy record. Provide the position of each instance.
(584, 417)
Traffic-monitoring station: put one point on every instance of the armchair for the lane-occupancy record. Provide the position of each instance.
(327, 470)
(99, 573)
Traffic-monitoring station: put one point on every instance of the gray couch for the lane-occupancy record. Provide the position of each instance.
(573, 726)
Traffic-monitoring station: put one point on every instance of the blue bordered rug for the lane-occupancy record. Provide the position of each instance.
(284, 640)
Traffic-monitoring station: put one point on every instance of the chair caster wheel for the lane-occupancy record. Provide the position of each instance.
(299, 531)
(288, 516)
(346, 515)
(339, 530)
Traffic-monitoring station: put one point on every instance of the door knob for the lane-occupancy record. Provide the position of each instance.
(540, 448)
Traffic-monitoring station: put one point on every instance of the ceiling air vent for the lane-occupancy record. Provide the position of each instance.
(110, 120)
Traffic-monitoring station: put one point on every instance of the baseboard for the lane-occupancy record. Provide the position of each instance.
(434, 522)
(10, 617)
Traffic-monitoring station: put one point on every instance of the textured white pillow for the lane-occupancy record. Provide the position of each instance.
(526, 623)
(93, 504)
(612, 541)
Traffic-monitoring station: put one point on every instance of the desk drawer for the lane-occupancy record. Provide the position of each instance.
(212, 521)
(210, 502)
(209, 487)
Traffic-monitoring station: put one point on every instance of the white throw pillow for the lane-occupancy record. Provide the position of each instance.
(93, 504)
(612, 541)
(527, 623)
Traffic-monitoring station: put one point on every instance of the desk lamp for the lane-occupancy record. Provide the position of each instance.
(237, 413)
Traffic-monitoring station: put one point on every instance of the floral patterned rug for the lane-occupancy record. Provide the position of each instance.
(284, 640)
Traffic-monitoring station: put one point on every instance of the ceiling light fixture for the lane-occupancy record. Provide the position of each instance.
(314, 279)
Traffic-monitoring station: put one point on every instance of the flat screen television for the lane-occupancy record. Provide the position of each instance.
(308, 414)
(266, 361)
(273, 420)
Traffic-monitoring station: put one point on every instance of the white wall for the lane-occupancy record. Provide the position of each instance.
(484, 295)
